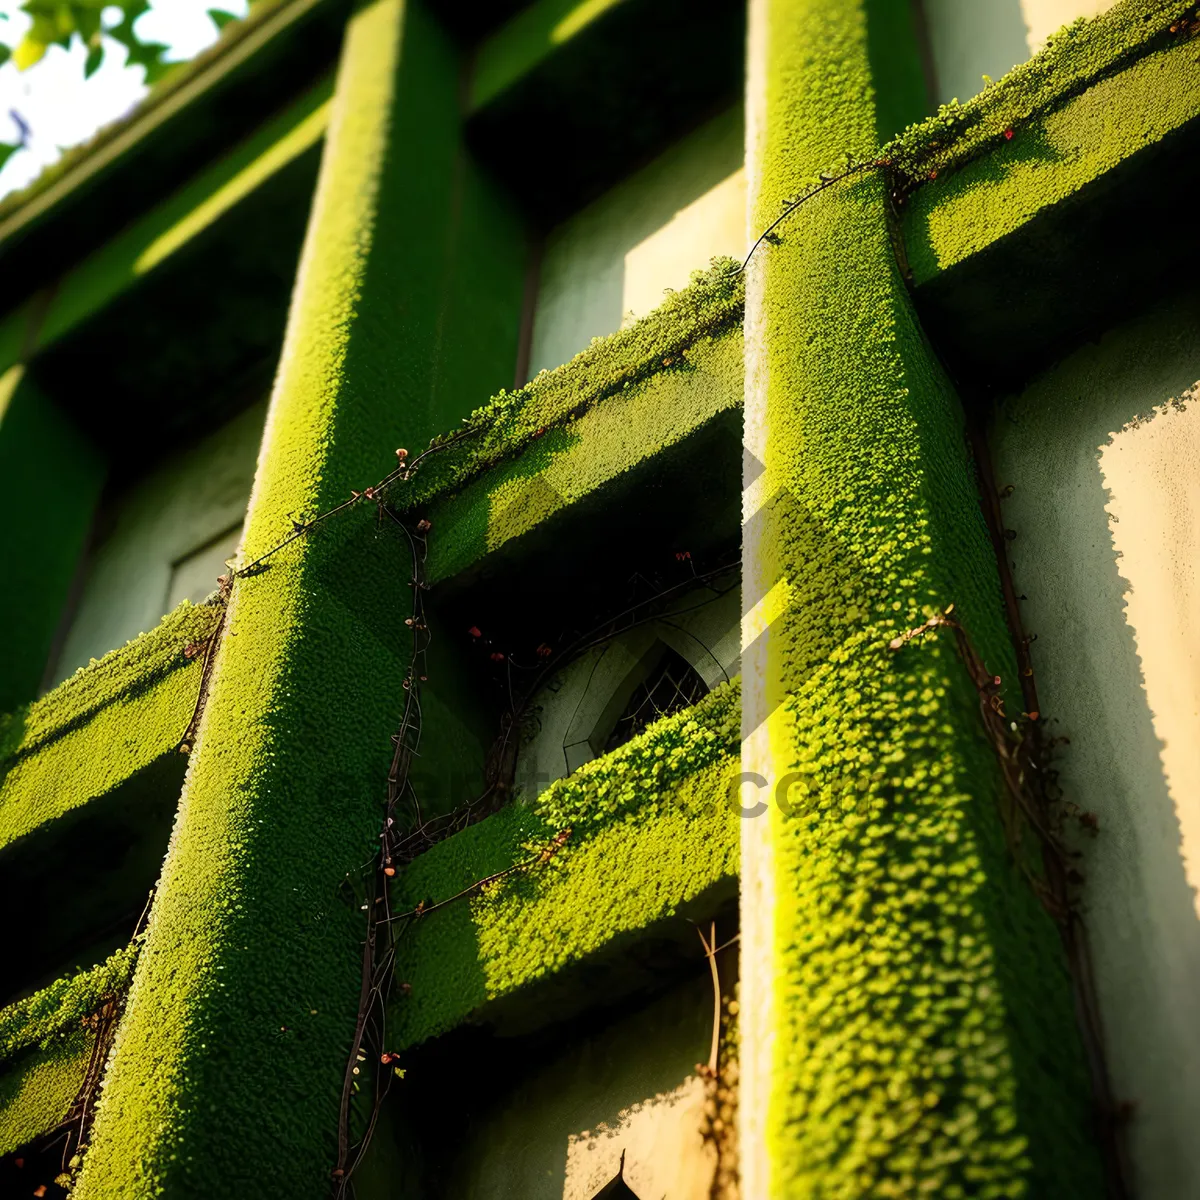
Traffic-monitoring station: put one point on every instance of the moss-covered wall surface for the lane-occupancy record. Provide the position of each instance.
(100, 727)
(44, 1048)
(1073, 61)
(247, 986)
(1051, 155)
(650, 827)
(37, 1087)
(907, 1023)
(907, 1016)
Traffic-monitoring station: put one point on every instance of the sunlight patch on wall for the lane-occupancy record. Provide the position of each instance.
(665, 1155)
(715, 222)
(1151, 470)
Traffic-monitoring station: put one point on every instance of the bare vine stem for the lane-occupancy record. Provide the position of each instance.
(800, 201)
(379, 952)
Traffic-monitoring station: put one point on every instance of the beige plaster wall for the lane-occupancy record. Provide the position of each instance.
(972, 38)
(613, 260)
(558, 1134)
(1104, 454)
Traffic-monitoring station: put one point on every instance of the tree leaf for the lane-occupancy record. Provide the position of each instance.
(29, 51)
(7, 150)
(220, 18)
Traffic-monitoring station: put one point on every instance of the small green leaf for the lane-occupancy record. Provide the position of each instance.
(95, 57)
(5, 54)
(7, 151)
(220, 18)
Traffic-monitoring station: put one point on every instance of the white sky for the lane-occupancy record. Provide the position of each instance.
(60, 107)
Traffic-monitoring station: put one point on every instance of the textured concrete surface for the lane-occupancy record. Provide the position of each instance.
(1104, 453)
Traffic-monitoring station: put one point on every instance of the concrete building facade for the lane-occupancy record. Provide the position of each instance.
(599, 604)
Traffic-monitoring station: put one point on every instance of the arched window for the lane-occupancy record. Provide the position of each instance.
(611, 694)
(673, 684)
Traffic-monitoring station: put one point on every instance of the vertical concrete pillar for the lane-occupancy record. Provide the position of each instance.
(227, 1069)
(908, 1025)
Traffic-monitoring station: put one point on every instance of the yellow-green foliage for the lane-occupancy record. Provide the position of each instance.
(1072, 61)
(576, 458)
(46, 1015)
(227, 1068)
(101, 726)
(924, 1040)
(1051, 156)
(44, 1049)
(651, 827)
(36, 1088)
(510, 421)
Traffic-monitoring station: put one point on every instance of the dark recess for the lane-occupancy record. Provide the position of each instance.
(1115, 248)
(638, 78)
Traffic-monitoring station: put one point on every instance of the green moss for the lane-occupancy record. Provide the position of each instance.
(37, 1088)
(711, 305)
(651, 828)
(1051, 157)
(101, 726)
(576, 457)
(1074, 60)
(247, 986)
(909, 1014)
(48, 1015)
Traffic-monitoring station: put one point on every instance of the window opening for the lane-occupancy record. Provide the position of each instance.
(672, 686)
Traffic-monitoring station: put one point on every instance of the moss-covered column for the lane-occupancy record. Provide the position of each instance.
(908, 1026)
(227, 1069)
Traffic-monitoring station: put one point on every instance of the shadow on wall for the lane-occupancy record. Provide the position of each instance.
(1104, 453)
(547, 1116)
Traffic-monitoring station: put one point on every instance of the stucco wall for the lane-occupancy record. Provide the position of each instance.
(972, 38)
(559, 1132)
(1104, 454)
(649, 233)
(164, 539)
